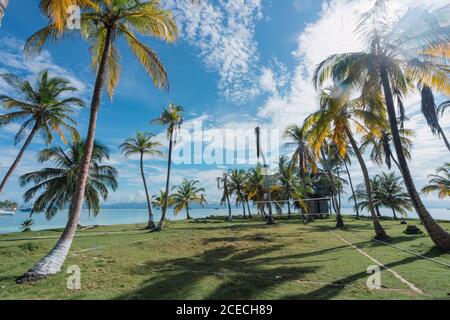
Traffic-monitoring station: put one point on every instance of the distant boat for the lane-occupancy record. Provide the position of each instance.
(4, 212)
(25, 209)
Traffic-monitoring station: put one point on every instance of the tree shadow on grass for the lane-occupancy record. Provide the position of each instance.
(337, 286)
(229, 272)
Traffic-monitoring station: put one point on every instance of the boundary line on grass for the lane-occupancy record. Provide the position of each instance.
(398, 276)
(401, 249)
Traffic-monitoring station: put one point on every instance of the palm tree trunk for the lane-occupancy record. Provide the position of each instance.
(3, 5)
(394, 213)
(166, 200)
(444, 137)
(377, 209)
(352, 188)
(151, 222)
(18, 158)
(439, 236)
(188, 217)
(289, 209)
(248, 209)
(53, 261)
(230, 217)
(379, 230)
(339, 220)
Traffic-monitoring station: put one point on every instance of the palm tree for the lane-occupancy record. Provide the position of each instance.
(439, 182)
(347, 162)
(303, 155)
(102, 24)
(54, 188)
(385, 62)
(26, 225)
(330, 166)
(255, 188)
(160, 200)
(186, 193)
(335, 119)
(288, 183)
(142, 144)
(223, 184)
(41, 109)
(172, 117)
(3, 5)
(381, 146)
(390, 193)
(431, 113)
(237, 186)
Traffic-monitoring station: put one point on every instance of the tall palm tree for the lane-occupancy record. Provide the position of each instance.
(390, 193)
(223, 184)
(335, 119)
(237, 186)
(303, 155)
(386, 63)
(42, 108)
(3, 5)
(142, 144)
(103, 23)
(186, 193)
(439, 182)
(172, 117)
(54, 187)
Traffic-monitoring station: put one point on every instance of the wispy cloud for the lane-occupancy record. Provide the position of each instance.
(12, 60)
(223, 34)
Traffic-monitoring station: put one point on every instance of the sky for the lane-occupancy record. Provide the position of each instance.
(237, 64)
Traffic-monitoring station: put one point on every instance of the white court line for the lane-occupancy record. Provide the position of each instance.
(409, 284)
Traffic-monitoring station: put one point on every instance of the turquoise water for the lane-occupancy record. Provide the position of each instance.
(134, 216)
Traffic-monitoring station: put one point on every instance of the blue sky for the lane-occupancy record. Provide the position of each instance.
(237, 64)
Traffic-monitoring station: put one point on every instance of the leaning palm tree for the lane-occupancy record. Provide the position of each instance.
(54, 187)
(391, 194)
(223, 184)
(303, 156)
(172, 117)
(103, 23)
(237, 187)
(439, 182)
(392, 63)
(337, 118)
(3, 5)
(43, 108)
(186, 193)
(142, 144)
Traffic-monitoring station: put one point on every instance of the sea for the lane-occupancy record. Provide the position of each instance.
(10, 224)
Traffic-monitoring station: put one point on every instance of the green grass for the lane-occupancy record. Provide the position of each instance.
(244, 259)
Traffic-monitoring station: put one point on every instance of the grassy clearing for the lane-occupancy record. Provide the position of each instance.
(244, 259)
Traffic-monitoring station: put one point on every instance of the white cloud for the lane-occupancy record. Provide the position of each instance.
(12, 60)
(223, 34)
